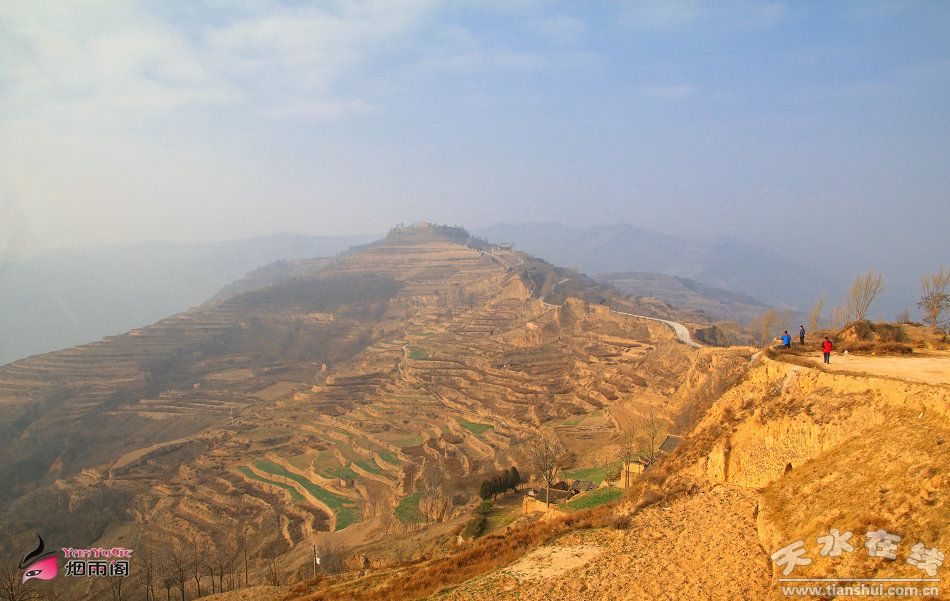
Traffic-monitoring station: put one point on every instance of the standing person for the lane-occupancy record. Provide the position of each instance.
(826, 347)
(786, 340)
(801, 335)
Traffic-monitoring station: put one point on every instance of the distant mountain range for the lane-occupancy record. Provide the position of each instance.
(714, 303)
(724, 263)
(70, 297)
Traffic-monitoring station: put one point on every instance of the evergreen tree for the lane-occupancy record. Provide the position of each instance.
(485, 490)
(515, 477)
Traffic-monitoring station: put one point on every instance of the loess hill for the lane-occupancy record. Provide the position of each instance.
(346, 401)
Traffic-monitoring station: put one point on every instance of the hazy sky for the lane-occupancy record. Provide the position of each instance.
(787, 122)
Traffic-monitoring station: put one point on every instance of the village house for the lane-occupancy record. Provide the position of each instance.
(535, 500)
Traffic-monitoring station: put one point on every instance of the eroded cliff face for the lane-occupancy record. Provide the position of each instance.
(781, 416)
(786, 453)
(824, 450)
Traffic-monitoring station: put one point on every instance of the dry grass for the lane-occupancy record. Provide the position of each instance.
(880, 348)
(425, 577)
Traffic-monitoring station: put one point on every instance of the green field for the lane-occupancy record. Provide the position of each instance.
(339, 472)
(302, 462)
(347, 516)
(369, 465)
(500, 519)
(417, 353)
(346, 449)
(390, 458)
(408, 509)
(332, 501)
(294, 493)
(594, 474)
(474, 427)
(347, 512)
(402, 441)
(596, 497)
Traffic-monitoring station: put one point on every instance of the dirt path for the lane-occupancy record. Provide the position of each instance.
(550, 561)
(700, 547)
(927, 370)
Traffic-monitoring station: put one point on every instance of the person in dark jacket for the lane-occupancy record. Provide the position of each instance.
(801, 334)
(826, 347)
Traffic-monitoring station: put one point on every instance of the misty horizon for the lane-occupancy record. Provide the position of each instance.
(771, 122)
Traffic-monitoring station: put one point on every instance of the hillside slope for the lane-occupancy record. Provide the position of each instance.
(346, 404)
(69, 297)
(786, 454)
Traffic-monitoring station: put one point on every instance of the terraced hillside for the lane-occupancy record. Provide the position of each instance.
(360, 398)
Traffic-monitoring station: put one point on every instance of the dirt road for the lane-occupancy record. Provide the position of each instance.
(928, 370)
(679, 329)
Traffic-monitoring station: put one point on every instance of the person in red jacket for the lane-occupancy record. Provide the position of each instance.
(826, 347)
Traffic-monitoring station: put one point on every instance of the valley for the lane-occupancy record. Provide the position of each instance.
(356, 400)
(354, 407)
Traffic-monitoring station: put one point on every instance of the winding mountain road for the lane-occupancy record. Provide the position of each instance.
(682, 332)
(679, 329)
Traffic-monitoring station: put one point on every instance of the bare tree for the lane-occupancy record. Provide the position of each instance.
(934, 298)
(649, 440)
(196, 565)
(166, 575)
(814, 318)
(11, 586)
(244, 551)
(178, 569)
(764, 325)
(115, 587)
(272, 564)
(401, 552)
(865, 288)
(430, 485)
(332, 554)
(785, 317)
(627, 451)
(208, 564)
(149, 570)
(230, 559)
(612, 473)
(839, 317)
(904, 316)
(544, 457)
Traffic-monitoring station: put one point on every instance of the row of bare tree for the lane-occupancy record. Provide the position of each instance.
(934, 305)
(194, 569)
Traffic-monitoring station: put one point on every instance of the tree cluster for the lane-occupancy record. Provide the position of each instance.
(508, 480)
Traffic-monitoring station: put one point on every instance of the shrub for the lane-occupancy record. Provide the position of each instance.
(621, 522)
(889, 332)
(475, 526)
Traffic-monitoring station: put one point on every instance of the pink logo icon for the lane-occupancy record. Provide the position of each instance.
(38, 564)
